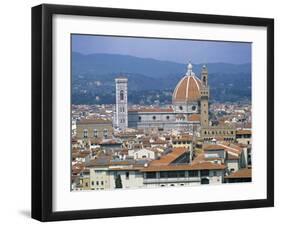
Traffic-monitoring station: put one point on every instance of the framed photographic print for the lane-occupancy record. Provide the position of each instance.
(146, 112)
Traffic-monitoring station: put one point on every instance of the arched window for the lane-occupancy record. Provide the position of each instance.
(85, 133)
(122, 95)
(204, 80)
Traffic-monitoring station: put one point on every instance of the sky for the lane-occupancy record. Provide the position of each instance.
(180, 51)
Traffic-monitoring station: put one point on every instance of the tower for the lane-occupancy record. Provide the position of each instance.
(204, 98)
(121, 110)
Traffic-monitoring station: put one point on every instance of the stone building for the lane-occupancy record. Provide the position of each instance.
(189, 110)
(244, 136)
(173, 169)
(94, 129)
(225, 132)
(184, 113)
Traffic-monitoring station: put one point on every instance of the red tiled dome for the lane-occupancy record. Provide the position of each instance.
(188, 89)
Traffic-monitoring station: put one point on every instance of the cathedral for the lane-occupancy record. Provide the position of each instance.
(189, 109)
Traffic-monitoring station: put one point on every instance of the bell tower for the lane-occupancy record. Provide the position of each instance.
(121, 111)
(204, 97)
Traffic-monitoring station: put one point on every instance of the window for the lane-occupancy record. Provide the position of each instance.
(163, 174)
(193, 173)
(105, 133)
(101, 182)
(193, 108)
(154, 117)
(167, 117)
(93, 183)
(172, 174)
(139, 118)
(181, 174)
(95, 133)
(97, 183)
(204, 173)
(180, 107)
(215, 173)
(204, 80)
(122, 95)
(127, 175)
(150, 175)
(86, 184)
(85, 133)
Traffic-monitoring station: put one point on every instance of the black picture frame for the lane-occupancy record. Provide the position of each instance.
(42, 196)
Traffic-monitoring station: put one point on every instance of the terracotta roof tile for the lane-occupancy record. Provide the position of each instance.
(184, 138)
(241, 173)
(211, 147)
(242, 132)
(170, 157)
(194, 118)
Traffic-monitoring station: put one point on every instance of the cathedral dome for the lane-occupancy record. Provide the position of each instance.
(188, 88)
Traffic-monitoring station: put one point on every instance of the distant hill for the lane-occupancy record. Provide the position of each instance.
(150, 80)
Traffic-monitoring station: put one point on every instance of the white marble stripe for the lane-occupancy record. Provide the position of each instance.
(197, 83)
(187, 86)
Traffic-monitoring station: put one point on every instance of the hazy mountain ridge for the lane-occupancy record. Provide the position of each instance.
(93, 76)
